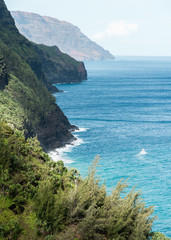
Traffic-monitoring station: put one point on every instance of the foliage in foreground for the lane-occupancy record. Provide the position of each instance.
(159, 236)
(41, 199)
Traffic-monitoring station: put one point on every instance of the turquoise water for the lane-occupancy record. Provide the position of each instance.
(124, 107)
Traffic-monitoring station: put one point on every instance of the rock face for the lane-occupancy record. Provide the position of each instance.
(51, 31)
(55, 130)
(59, 67)
(23, 67)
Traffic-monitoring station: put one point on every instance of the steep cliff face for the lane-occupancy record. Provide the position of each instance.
(51, 31)
(59, 67)
(25, 101)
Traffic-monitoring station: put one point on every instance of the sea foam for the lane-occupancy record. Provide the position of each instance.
(81, 130)
(61, 153)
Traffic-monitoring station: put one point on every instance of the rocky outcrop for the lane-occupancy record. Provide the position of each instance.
(55, 130)
(51, 31)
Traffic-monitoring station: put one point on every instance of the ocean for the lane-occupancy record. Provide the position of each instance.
(124, 107)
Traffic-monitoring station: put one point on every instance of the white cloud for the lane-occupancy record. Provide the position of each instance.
(118, 28)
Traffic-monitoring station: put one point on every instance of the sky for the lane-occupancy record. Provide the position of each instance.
(124, 27)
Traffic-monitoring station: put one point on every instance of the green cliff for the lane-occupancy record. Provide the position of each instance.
(42, 59)
(59, 67)
(25, 101)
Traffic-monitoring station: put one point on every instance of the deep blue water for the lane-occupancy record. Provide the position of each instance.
(125, 106)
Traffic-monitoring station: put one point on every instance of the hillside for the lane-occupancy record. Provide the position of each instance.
(51, 31)
(42, 199)
(25, 101)
(59, 67)
(48, 63)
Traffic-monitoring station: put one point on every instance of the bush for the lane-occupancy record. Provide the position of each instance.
(10, 227)
(159, 236)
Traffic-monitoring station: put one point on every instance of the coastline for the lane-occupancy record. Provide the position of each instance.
(60, 153)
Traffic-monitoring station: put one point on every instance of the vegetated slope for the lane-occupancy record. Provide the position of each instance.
(59, 67)
(42, 199)
(3, 74)
(42, 60)
(25, 101)
(67, 37)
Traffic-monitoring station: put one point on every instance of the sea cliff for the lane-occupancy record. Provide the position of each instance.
(27, 71)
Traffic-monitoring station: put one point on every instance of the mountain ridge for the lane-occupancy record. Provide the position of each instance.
(68, 37)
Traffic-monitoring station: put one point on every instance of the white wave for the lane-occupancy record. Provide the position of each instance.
(61, 153)
(81, 130)
(142, 152)
(57, 155)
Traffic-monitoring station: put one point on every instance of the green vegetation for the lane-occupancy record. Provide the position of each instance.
(24, 170)
(25, 101)
(60, 67)
(47, 63)
(55, 53)
(159, 236)
(42, 199)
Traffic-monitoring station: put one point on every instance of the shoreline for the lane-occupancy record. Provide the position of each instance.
(60, 153)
